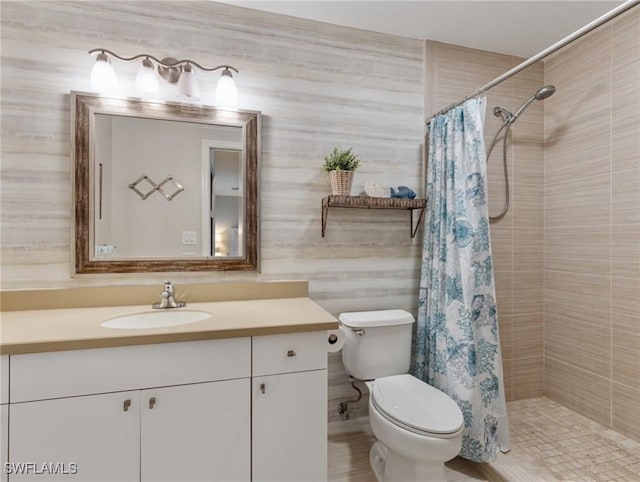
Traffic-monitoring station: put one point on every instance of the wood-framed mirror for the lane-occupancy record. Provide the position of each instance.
(162, 187)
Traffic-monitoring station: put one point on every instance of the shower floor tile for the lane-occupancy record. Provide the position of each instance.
(571, 447)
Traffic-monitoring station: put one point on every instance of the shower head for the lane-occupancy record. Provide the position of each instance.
(544, 92)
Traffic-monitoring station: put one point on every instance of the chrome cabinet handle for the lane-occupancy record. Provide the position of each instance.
(126, 405)
(152, 402)
(291, 353)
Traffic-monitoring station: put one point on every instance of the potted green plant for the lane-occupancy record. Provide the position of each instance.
(340, 165)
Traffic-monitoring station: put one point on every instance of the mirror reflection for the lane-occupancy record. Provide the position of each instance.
(167, 189)
(163, 187)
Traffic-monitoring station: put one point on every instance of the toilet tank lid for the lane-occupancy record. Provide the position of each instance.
(363, 319)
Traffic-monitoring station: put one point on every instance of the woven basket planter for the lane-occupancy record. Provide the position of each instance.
(341, 182)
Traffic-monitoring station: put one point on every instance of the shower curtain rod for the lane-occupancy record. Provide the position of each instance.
(539, 56)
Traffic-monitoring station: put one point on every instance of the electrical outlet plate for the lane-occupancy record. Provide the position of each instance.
(189, 237)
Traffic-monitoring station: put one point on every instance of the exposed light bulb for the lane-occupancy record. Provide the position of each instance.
(146, 78)
(226, 90)
(103, 78)
(188, 84)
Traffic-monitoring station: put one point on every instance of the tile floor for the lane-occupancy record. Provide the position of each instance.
(549, 442)
(570, 446)
(349, 461)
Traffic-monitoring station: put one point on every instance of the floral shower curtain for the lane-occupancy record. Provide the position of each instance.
(457, 342)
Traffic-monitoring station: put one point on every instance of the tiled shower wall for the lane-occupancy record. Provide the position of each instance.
(592, 226)
(453, 72)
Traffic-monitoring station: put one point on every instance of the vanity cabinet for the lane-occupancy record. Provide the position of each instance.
(4, 415)
(237, 409)
(4, 440)
(4, 379)
(178, 431)
(164, 434)
(289, 408)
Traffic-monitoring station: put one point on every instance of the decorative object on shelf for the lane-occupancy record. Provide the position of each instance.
(155, 187)
(403, 192)
(373, 189)
(173, 71)
(340, 166)
(366, 202)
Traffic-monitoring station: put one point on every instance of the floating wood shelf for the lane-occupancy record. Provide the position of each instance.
(366, 202)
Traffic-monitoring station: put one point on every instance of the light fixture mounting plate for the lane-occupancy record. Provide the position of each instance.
(169, 74)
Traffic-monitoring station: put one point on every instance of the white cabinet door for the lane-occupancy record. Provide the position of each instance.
(99, 435)
(4, 439)
(4, 415)
(290, 427)
(4, 378)
(197, 432)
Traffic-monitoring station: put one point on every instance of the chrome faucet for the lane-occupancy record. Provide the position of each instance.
(167, 299)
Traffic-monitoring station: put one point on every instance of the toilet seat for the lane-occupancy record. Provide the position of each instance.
(416, 406)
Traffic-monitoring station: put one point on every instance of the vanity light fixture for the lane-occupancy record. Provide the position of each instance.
(103, 78)
(188, 84)
(226, 90)
(173, 71)
(146, 79)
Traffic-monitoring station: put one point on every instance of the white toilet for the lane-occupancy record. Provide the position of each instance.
(417, 427)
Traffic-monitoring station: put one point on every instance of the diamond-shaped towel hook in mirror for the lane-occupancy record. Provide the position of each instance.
(178, 187)
(143, 178)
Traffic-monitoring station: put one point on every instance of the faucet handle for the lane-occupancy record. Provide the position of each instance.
(167, 299)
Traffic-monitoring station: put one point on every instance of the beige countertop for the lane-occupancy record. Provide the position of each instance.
(78, 328)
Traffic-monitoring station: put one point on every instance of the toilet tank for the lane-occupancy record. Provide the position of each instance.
(377, 343)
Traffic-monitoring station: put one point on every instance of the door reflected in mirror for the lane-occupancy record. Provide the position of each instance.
(163, 187)
(225, 221)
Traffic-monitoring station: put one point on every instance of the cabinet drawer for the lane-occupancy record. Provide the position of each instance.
(286, 353)
(39, 376)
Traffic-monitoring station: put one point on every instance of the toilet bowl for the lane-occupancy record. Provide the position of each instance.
(417, 428)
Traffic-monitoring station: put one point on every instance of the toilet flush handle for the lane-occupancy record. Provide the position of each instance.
(359, 332)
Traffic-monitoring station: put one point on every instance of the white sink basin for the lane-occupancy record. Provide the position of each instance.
(156, 319)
